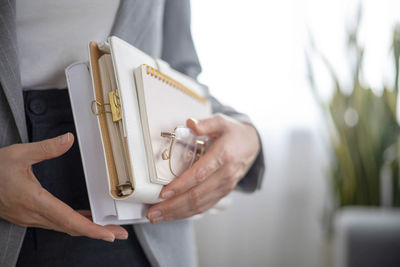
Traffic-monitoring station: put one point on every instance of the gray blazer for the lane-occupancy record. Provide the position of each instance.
(161, 28)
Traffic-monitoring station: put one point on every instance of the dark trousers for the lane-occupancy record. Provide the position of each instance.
(48, 114)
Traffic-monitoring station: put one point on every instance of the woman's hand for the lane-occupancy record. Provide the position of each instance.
(233, 151)
(25, 202)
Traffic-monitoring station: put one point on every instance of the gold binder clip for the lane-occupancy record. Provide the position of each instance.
(99, 108)
(115, 105)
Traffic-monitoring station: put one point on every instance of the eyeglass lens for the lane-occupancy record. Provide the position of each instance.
(183, 150)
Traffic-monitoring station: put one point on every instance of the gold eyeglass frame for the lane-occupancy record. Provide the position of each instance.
(201, 146)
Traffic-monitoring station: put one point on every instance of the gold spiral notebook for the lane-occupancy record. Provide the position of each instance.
(164, 104)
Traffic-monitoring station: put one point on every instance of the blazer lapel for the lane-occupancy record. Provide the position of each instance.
(9, 69)
(132, 19)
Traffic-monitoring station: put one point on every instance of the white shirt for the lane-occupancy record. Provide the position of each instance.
(54, 34)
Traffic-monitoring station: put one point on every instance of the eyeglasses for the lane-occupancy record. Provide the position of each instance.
(184, 149)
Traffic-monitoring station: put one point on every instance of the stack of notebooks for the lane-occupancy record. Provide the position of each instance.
(122, 101)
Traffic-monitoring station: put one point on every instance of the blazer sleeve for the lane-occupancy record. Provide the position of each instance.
(178, 50)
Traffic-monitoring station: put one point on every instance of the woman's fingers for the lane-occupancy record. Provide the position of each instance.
(197, 174)
(65, 219)
(85, 213)
(118, 231)
(36, 152)
(197, 199)
(23, 201)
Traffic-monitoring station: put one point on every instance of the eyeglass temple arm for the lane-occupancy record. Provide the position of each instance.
(167, 134)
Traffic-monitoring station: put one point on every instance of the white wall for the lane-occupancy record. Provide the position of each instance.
(252, 55)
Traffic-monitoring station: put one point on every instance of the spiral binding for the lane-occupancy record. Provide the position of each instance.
(171, 82)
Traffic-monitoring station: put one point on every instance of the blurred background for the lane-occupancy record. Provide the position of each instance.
(254, 57)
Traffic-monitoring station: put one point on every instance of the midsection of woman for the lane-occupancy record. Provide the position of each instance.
(51, 35)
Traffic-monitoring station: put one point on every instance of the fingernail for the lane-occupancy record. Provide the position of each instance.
(122, 236)
(154, 214)
(168, 194)
(157, 220)
(194, 120)
(63, 139)
(109, 239)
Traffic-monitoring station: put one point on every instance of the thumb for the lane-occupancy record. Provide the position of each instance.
(47, 149)
(213, 125)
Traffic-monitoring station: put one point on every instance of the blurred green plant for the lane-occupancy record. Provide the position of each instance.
(364, 132)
